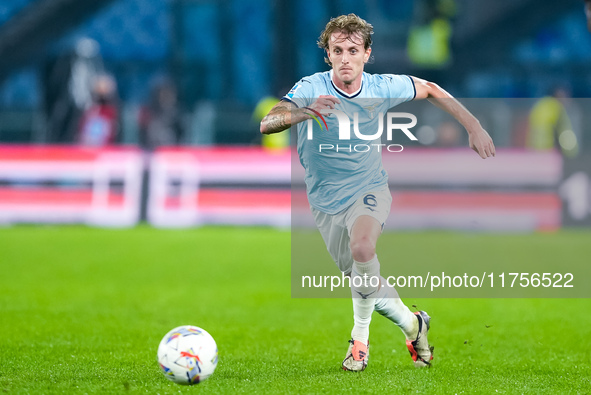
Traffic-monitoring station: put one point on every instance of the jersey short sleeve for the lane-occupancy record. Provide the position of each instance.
(397, 88)
(302, 93)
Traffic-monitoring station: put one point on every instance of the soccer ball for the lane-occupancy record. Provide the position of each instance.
(187, 355)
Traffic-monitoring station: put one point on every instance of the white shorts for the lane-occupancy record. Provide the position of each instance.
(336, 229)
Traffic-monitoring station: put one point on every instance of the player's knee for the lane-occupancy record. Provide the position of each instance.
(363, 250)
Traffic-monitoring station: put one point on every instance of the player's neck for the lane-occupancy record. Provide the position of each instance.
(350, 87)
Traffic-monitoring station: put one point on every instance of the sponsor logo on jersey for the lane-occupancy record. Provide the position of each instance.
(293, 91)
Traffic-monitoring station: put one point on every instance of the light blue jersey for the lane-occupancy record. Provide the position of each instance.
(336, 177)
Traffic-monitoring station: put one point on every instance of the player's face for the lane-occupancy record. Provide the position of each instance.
(347, 55)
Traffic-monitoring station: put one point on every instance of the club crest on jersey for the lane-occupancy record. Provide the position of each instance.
(371, 110)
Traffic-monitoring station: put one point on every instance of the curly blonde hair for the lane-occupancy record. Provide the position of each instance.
(349, 24)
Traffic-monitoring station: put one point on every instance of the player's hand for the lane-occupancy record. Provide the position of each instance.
(324, 103)
(481, 142)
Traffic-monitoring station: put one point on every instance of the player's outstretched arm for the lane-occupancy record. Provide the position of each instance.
(480, 141)
(281, 117)
(285, 114)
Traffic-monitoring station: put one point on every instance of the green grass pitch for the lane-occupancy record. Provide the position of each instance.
(82, 311)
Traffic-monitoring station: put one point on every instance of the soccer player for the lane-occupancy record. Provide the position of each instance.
(348, 190)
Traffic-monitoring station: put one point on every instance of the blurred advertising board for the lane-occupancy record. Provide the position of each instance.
(230, 185)
(65, 184)
(518, 190)
(453, 188)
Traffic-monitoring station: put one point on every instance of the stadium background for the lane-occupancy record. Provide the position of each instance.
(226, 62)
(225, 58)
(234, 53)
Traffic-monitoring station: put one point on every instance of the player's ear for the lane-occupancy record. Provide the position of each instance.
(366, 55)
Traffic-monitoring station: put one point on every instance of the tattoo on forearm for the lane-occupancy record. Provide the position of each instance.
(276, 122)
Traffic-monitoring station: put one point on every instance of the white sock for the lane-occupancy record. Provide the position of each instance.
(388, 304)
(364, 287)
